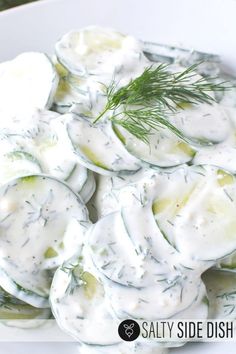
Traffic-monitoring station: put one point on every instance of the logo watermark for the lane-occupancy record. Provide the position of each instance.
(112, 330)
(129, 330)
(178, 330)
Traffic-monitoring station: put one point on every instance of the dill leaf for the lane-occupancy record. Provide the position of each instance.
(146, 102)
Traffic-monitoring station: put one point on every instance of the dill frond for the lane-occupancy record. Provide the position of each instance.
(146, 103)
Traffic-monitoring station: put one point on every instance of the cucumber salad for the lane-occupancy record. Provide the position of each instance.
(117, 188)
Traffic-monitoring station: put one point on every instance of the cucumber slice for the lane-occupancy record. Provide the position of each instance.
(199, 309)
(82, 181)
(88, 188)
(37, 234)
(41, 144)
(16, 164)
(135, 262)
(221, 289)
(98, 148)
(195, 208)
(106, 198)
(27, 82)
(100, 204)
(176, 293)
(46, 148)
(35, 135)
(54, 149)
(80, 308)
(164, 148)
(85, 95)
(223, 154)
(78, 304)
(28, 128)
(53, 159)
(136, 196)
(69, 92)
(57, 155)
(196, 201)
(168, 54)
(118, 254)
(97, 51)
(16, 313)
(205, 123)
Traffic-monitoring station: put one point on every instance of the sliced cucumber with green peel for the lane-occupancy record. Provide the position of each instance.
(164, 148)
(16, 164)
(85, 95)
(97, 51)
(37, 234)
(130, 246)
(27, 82)
(98, 205)
(21, 155)
(59, 160)
(176, 294)
(67, 94)
(37, 135)
(43, 146)
(54, 151)
(190, 200)
(82, 181)
(53, 161)
(135, 262)
(158, 52)
(221, 289)
(206, 123)
(195, 209)
(106, 197)
(78, 304)
(198, 310)
(98, 148)
(89, 187)
(14, 312)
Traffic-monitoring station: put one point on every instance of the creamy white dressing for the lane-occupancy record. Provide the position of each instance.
(221, 289)
(97, 51)
(27, 82)
(100, 150)
(36, 143)
(224, 153)
(197, 201)
(165, 149)
(158, 223)
(37, 234)
(208, 123)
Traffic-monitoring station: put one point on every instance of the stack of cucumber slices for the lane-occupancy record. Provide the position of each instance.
(97, 226)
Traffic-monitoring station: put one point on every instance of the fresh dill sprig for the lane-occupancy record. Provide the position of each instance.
(147, 102)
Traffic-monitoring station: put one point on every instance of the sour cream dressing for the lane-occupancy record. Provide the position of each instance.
(155, 207)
